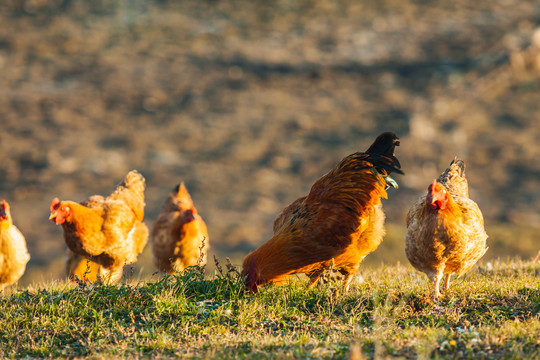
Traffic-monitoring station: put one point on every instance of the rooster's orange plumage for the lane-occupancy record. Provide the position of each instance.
(109, 231)
(339, 222)
(445, 229)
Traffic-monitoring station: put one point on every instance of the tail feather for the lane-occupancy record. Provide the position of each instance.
(453, 178)
(131, 191)
(460, 164)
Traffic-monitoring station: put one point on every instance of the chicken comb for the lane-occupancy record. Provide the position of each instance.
(4, 208)
(55, 204)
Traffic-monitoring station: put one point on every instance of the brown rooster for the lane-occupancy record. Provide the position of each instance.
(179, 234)
(339, 222)
(13, 253)
(108, 231)
(445, 229)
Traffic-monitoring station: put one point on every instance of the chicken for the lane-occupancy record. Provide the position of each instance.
(339, 222)
(445, 229)
(109, 231)
(81, 269)
(13, 253)
(179, 235)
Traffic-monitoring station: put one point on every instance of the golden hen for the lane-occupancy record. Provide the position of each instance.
(339, 222)
(13, 252)
(179, 235)
(445, 229)
(109, 231)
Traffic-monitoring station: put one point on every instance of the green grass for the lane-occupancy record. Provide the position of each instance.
(492, 312)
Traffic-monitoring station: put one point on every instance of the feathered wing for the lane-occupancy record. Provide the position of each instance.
(287, 213)
(131, 192)
(469, 243)
(324, 224)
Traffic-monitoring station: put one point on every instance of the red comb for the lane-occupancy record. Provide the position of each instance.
(4, 209)
(55, 204)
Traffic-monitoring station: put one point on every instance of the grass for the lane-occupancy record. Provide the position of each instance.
(491, 312)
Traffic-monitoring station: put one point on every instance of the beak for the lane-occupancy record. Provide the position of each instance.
(52, 216)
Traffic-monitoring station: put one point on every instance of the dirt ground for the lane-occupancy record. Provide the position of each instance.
(249, 102)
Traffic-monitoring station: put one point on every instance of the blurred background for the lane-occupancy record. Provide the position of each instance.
(249, 102)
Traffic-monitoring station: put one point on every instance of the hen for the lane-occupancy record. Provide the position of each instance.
(445, 229)
(179, 234)
(109, 231)
(13, 253)
(339, 222)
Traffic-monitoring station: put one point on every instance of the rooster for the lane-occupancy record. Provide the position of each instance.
(337, 224)
(109, 231)
(445, 229)
(13, 253)
(179, 235)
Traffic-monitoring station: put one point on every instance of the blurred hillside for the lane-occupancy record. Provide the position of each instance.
(250, 102)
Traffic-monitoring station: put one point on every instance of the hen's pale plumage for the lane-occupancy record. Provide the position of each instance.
(445, 229)
(179, 233)
(13, 253)
(109, 231)
(338, 223)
